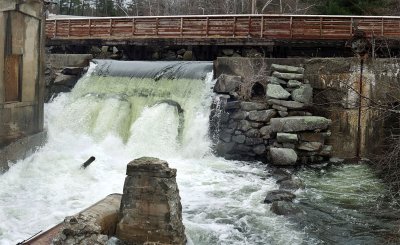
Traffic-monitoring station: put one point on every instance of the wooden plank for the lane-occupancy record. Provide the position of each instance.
(12, 78)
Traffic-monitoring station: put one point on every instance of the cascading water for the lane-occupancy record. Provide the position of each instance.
(119, 118)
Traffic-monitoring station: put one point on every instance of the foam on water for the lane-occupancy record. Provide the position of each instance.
(117, 120)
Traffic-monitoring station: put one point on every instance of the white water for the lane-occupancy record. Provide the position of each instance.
(103, 117)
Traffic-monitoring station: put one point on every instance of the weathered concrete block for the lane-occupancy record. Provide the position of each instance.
(150, 207)
(283, 156)
(297, 124)
(227, 84)
(276, 91)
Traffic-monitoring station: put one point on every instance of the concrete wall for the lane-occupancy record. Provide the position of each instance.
(22, 25)
(336, 83)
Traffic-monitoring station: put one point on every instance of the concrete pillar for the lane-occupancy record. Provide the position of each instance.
(150, 207)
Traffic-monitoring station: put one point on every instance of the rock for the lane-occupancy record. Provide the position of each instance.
(181, 51)
(236, 55)
(232, 124)
(253, 133)
(227, 84)
(299, 113)
(279, 195)
(66, 80)
(224, 148)
(243, 148)
(253, 106)
(225, 136)
(292, 184)
(252, 53)
(256, 125)
(284, 208)
(304, 94)
(228, 51)
(287, 138)
(155, 56)
(151, 210)
(279, 108)
(283, 113)
(276, 92)
(281, 174)
(326, 150)
(313, 137)
(275, 80)
(287, 69)
(240, 115)
(288, 76)
(104, 49)
(231, 105)
(95, 50)
(288, 104)
(289, 145)
(254, 141)
(169, 55)
(283, 156)
(75, 71)
(335, 160)
(294, 84)
(266, 130)
(244, 125)
(80, 230)
(262, 116)
(259, 149)
(188, 56)
(296, 124)
(310, 146)
(239, 139)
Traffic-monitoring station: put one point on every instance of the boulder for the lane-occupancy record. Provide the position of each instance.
(150, 209)
(287, 69)
(284, 208)
(279, 195)
(224, 148)
(262, 116)
(240, 115)
(253, 106)
(281, 174)
(287, 138)
(259, 149)
(275, 80)
(304, 94)
(294, 84)
(188, 56)
(239, 139)
(289, 104)
(254, 141)
(244, 125)
(296, 124)
(283, 113)
(276, 91)
(292, 184)
(232, 105)
(253, 133)
(279, 108)
(181, 51)
(227, 84)
(288, 76)
(66, 80)
(310, 146)
(283, 156)
(326, 150)
(75, 71)
(266, 130)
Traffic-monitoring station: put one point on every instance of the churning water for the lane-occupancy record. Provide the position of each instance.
(162, 110)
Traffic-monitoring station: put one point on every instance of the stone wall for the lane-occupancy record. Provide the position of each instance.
(21, 66)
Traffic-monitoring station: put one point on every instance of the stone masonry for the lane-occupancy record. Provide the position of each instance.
(277, 127)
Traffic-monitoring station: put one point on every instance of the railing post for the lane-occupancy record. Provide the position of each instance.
(181, 27)
(157, 26)
(111, 22)
(262, 27)
(69, 27)
(249, 31)
(55, 28)
(320, 27)
(234, 26)
(382, 28)
(208, 20)
(351, 26)
(291, 27)
(133, 26)
(90, 27)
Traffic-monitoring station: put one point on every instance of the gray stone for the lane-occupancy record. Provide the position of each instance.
(304, 94)
(188, 56)
(262, 116)
(243, 148)
(279, 108)
(283, 113)
(232, 105)
(310, 146)
(225, 136)
(181, 51)
(294, 84)
(66, 80)
(313, 137)
(289, 145)
(253, 133)
(244, 125)
(275, 80)
(227, 84)
(240, 115)
(297, 124)
(292, 184)
(288, 104)
(288, 76)
(169, 55)
(283, 156)
(284, 208)
(276, 91)
(259, 149)
(266, 130)
(287, 69)
(239, 139)
(287, 138)
(279, 195)
(253, 106)
(326, 150)
(237, 132)
(150, 209)
(254, 141)
(224, 148)
(299, 113)
(75, 71)
(256, 125)
(232, 124)
(228, 51)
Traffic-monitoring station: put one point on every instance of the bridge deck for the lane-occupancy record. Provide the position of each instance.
(221, 29)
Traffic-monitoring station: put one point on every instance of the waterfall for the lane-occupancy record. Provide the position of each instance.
(119, 117)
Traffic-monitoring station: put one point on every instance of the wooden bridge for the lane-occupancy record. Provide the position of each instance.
(263, 30)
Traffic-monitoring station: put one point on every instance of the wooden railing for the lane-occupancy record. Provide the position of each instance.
(272, 27)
